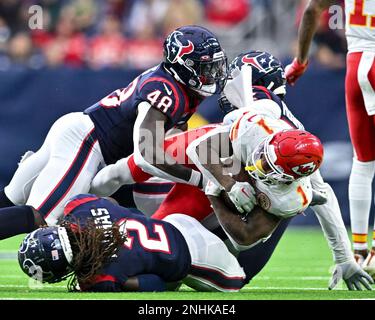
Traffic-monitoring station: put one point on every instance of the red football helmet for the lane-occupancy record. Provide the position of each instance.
(289, 155)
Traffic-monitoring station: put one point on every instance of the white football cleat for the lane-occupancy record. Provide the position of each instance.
(369, 263)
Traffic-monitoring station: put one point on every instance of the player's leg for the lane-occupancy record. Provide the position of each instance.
(213, 267)
(109, 180)
(18, 189)
(15, 217)
(362, 134)
(74, 159)
(149, 195)
(371, 78)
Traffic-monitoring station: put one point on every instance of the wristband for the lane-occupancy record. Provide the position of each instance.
(195, 178)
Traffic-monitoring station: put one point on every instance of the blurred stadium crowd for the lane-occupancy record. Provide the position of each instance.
(129, 33)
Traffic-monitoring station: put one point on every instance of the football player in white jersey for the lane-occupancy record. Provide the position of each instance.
(360, 108)
(281, 199)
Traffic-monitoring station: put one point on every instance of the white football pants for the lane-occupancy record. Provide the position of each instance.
(213, 267)
(63, 167)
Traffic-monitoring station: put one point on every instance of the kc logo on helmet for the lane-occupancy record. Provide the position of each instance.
(176, 49)
(305, 169)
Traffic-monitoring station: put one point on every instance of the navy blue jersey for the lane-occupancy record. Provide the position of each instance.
(114, 116)
(152, 247)
(286, 115)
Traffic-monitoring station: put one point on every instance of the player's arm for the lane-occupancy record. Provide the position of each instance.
(307, 29)
(206, 153)
(330, 219)
(140, 283)
(149, 153)
(244, 233)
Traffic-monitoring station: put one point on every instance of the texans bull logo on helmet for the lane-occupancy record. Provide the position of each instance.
(176, 49)
(304, 169)
(263, 62)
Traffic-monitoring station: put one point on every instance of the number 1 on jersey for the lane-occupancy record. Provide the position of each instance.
(358, 17)
(303, 195)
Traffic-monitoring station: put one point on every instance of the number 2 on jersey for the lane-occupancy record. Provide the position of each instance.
(358, 17)
(115, 99)
(150, 244)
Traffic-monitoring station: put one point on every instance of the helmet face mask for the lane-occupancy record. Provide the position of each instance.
(194, 57)
(45, 254)
(261, 165)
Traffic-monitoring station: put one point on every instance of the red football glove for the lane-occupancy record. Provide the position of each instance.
(294, 70)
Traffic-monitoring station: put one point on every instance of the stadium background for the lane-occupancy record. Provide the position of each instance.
(87, 48)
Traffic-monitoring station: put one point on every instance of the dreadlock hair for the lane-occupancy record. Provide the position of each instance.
(93, 246)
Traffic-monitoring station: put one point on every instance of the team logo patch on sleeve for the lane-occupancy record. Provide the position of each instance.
(263, 201)
(304, 169)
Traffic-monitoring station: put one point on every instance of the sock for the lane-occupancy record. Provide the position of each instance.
(137, 174)
(4, 200)
(360, 196)
(16, 220)
(108, 180)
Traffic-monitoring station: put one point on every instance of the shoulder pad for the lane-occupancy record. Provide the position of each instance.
(162, 94)
(285, 200)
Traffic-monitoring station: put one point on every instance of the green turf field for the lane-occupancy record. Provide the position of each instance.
(299, 269)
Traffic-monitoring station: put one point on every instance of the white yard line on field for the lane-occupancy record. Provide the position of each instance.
(44, 286)
(292, 278)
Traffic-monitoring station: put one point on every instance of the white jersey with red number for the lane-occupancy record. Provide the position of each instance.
(284, 200)
(360, 25)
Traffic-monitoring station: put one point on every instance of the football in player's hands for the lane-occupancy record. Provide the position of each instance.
(241, 176)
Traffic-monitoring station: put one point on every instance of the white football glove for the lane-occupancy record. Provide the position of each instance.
(212, 189)
(353, 276)
(242, 195)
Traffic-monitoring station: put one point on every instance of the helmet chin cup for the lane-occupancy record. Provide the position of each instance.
(206, 90)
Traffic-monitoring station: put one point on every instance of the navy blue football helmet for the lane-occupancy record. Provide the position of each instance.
(267, 71)
(46, 254)
(193, 55)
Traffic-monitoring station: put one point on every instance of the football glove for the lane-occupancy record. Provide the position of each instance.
(294, 70)
(242, 195)
(352, 274)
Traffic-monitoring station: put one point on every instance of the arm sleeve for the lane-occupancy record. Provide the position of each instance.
(192, 153)
(151, 282)
(146, 283)
(330, 219)
(162, 95)
(239, 90)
